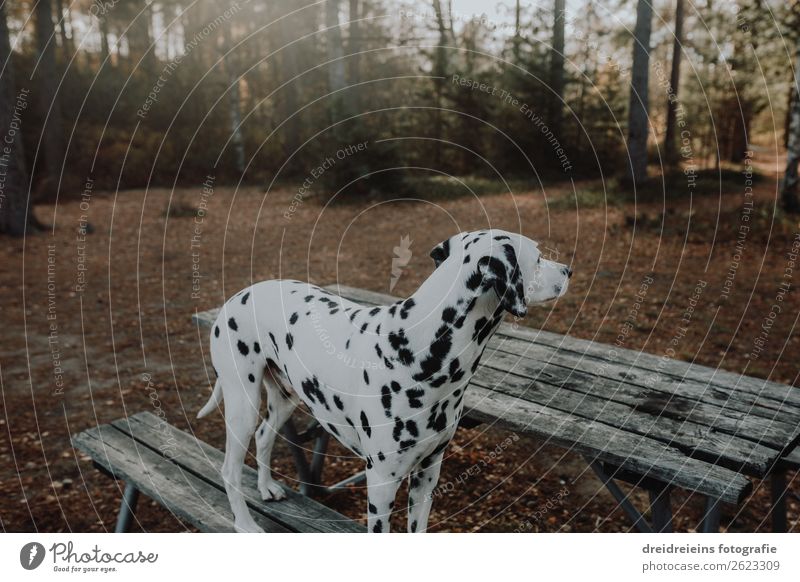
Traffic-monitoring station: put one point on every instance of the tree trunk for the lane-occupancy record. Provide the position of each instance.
(289, 98)
(354, 48)
(517, 40)
(789, 187)
(105, 51)
(14, 187)
(52, 138)
(141, 49)
(439, 70)
(337, 80)
(637, 114)
(557, 67)
(674, 83)
(234, 98)
(66, 43)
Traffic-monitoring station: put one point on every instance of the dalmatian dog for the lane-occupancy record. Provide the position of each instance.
(387, 382)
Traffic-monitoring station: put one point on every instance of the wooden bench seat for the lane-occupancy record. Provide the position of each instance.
(182, 473)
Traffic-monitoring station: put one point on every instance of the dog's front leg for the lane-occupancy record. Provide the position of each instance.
(421, 485)
(381, 491)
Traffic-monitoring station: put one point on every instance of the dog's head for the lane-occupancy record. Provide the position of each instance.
(508, 263)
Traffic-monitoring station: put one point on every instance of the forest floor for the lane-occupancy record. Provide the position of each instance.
(118, 304)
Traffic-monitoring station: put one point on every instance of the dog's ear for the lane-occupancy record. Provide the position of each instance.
(440, 252)
(501, 271)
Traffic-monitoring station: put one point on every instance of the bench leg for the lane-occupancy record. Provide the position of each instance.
(300, 461)
(778, 509)
(661, 509)
(130, 497)
(639, 522)
(710, 523)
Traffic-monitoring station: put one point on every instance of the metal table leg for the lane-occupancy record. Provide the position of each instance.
(661, 509)
(639, 522)
(130, 497)
(778, 509)
(710, 523)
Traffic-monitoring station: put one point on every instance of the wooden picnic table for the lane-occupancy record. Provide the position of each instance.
(655, 422)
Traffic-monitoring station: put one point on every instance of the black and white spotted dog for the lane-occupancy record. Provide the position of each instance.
(388, 382)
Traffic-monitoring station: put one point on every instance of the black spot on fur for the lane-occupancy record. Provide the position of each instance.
(378, 527)
(414, 395)
(350, 422)
(333, 429)
(436, 354)
(381, 457)
(414, 526)
(395, 387)
(449, 314)
(407, 305)
(245, 298)
(257, 347)
(364, 328)
(371, 508)
(387, 362)
(312, 391)
(378, 330)
(251, 377)
(293, 318)
(338, 402)
(289, 340)
(378, 351)
(308, 298)
(437, 419)
(243, 349)
(347, 344)
(386, 400)
(407, 444)
(274, 343)
(365, 424)
(216, 331)
(374, 311)
(412, 429)
(366, 377)
(438, 381)
(405, 356)
(354, 314)
(398, 339)
(393, 309)
(232, 324)
(398, 428)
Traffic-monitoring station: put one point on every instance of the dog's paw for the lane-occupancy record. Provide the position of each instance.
(251, 527)
(272, 491)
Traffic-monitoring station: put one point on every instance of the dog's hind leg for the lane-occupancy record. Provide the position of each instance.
(381, 491)
(280, 405)
(421, 485)
(242, 402)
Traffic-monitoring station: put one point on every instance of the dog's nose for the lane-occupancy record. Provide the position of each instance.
(567, 272)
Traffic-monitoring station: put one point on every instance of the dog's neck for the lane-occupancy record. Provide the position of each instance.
(477, 312)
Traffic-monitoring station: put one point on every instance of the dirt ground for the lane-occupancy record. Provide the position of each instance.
(84, 320)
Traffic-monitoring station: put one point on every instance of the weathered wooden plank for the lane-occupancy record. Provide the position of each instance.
(182, 493)
(608, 375)
(633, 453)
(297, 512)
(699, 441)
(792, 459)
(597, 351)
(780, 393)
(774, 434)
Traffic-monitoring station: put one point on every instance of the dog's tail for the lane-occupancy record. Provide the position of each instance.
(213, 402)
